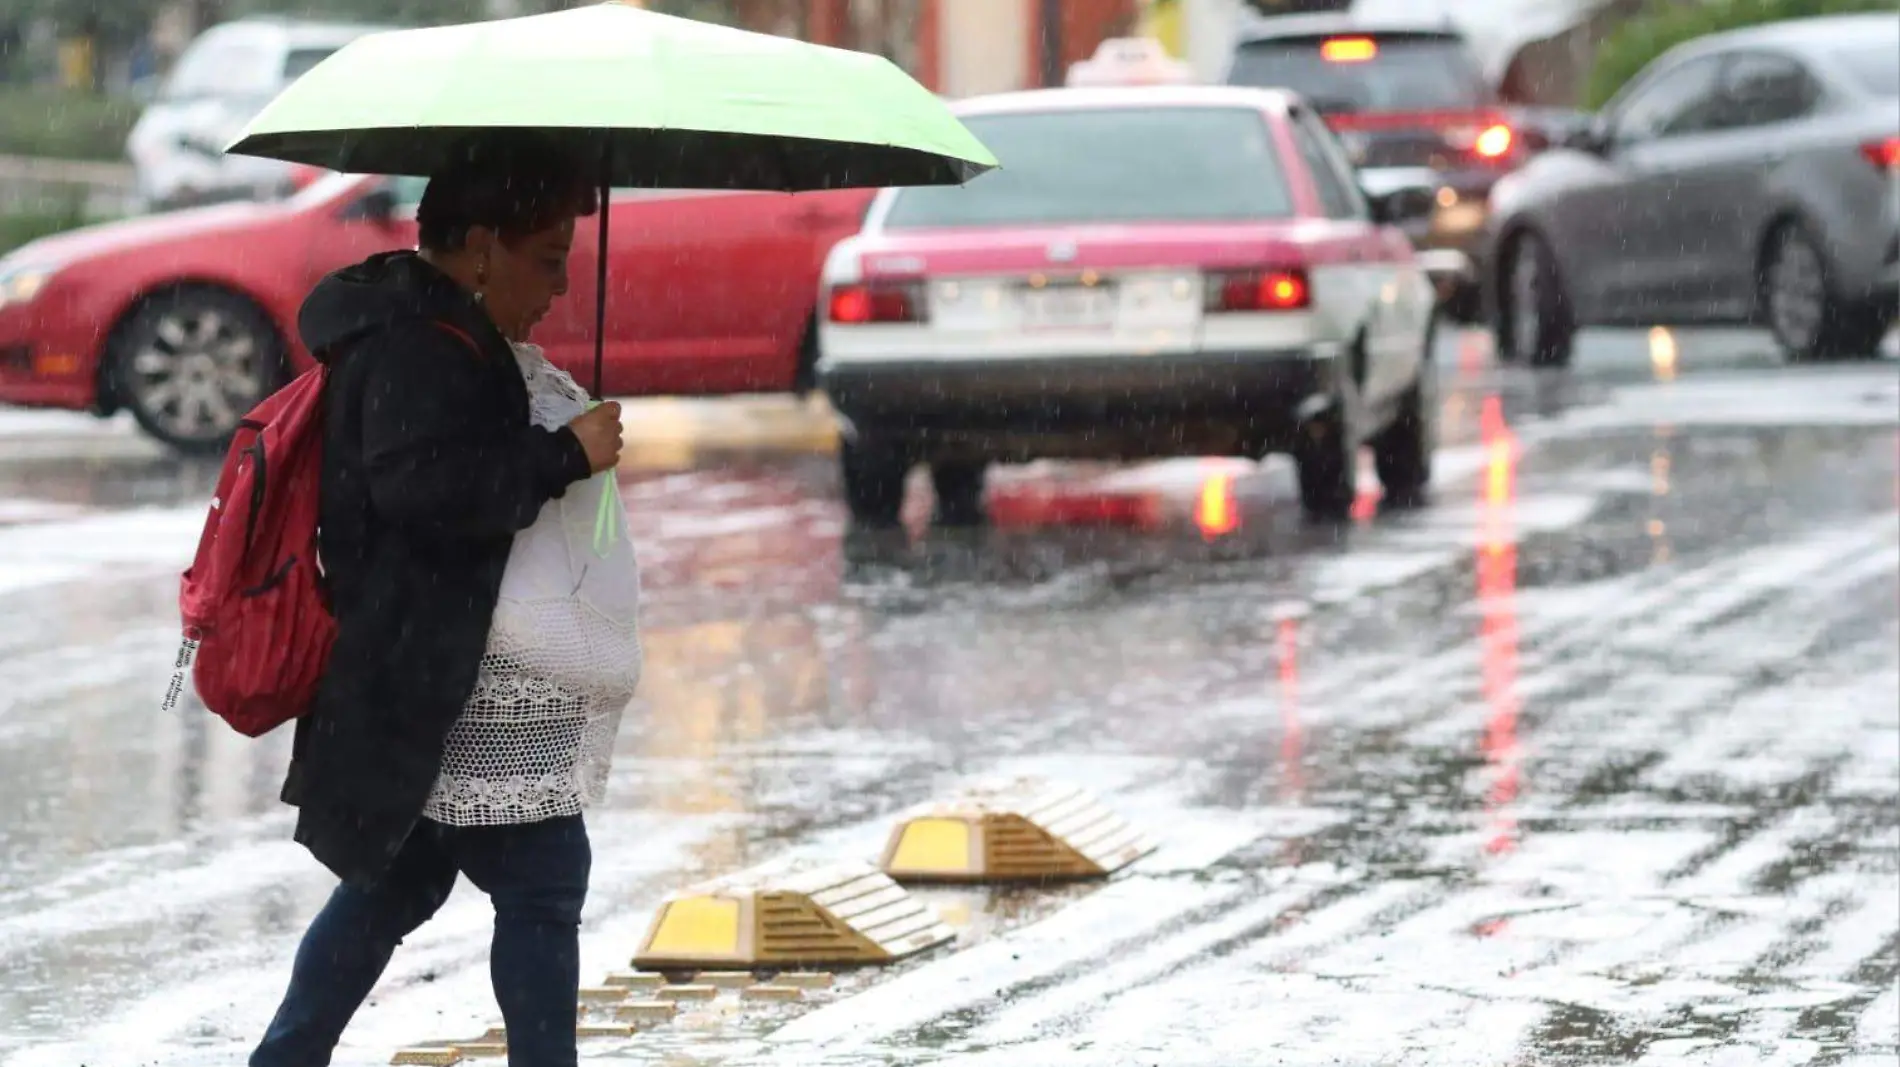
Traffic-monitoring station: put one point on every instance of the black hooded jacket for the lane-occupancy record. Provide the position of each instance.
(430, 468)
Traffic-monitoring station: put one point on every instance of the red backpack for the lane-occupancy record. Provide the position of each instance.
(258, 627)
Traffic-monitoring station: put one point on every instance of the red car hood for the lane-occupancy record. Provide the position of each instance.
(135, 235)
(1064, 248)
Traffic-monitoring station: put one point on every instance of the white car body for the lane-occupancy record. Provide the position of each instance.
(223, 79)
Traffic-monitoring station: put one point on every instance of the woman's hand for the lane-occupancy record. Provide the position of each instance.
(599, 434)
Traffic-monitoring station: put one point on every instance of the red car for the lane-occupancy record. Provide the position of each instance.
(188, 319)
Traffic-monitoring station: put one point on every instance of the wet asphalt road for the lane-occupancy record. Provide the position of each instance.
(1595, 760)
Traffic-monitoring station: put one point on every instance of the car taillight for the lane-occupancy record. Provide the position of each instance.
(877, 302)
(1258, 290)
(1883, 154)
(1494, 142)
(1348, 49)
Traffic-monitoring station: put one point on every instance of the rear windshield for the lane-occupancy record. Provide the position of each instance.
(1875, 68)
(1393, 73)
(300, 60)
(1124, 164)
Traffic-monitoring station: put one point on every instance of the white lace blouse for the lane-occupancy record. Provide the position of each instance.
(536, 739)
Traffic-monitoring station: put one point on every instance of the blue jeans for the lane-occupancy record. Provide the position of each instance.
(536, 876)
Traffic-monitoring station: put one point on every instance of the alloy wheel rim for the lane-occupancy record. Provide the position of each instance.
(1524, 300)
(1796, 292)
(196, 373)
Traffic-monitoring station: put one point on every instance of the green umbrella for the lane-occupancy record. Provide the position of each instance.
(664, 102)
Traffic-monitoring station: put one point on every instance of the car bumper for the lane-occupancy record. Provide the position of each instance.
(40, 368)
(1123, 407)
(1885, 284)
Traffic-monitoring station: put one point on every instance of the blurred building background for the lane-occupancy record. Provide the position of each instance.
(957, 47)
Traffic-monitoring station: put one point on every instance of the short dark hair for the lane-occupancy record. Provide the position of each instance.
(516, 182)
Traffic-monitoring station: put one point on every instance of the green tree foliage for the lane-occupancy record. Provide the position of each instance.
(108, 19)
(1632, 45)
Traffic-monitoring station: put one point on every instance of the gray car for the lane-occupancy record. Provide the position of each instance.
(1748, 176)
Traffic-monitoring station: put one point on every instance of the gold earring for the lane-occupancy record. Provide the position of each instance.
(481, 279)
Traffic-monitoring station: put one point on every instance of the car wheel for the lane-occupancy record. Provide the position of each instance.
(959, 489)
(1327, 459)
(874, 473)
(1534, 323)
(805, 373)
(190, 363)
(1402, 451)
(1808, 320)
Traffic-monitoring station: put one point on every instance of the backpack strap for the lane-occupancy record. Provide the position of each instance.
(458, 333)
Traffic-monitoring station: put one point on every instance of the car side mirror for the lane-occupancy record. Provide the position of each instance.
(377, 206)
(1401, 204)
(1594, 137)
(199, 146)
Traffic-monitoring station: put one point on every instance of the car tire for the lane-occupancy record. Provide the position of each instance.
(1402, 452)
(874, 474)
(805, 372)
(1534, 321)
(190, 362)
(1808, 318)
(1326, 457)
(959, 488)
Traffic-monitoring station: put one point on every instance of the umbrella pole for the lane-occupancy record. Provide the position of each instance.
(600, 260)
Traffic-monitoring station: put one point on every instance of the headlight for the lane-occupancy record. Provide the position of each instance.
(19, 285)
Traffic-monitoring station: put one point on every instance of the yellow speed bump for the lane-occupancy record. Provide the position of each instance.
(836, 914)
(646, 1011)
(1013, 831)
(427, 1057)
(725, 979)
(635, 982)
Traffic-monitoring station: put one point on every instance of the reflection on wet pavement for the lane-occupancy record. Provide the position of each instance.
(1593, 760)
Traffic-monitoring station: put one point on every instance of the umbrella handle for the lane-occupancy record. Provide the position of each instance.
(608, 512)
(607, 517)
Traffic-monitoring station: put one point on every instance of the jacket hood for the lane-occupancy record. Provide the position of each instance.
(359, 300)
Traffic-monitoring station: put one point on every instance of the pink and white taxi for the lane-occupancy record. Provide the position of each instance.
(1154, 272)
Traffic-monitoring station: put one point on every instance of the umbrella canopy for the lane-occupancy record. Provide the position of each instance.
(672, 102)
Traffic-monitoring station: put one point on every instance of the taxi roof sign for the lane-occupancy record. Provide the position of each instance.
(1130, 61)
(836, 914)
(1013, 831)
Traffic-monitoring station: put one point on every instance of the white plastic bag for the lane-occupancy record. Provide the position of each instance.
(570, 597)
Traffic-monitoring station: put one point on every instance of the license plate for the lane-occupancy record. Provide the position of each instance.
(1068, 307)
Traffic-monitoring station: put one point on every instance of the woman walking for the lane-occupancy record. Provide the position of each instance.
(487, 639)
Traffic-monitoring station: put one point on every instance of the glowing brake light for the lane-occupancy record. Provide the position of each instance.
(1267, 290)
(1494, 142)
(1883, 154)
(857, 304)
(1348, 49)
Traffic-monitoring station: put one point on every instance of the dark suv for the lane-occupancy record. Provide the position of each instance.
(1404, 99)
